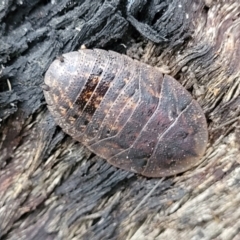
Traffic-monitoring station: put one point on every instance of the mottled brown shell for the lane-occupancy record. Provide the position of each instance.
(126, 112)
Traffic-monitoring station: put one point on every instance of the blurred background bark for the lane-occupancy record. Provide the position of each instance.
(52, 187)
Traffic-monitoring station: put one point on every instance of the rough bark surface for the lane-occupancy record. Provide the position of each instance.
(52, 187)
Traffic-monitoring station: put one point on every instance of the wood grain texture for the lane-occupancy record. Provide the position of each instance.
(52, 187)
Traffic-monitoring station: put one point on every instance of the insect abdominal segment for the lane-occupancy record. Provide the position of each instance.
(126, 112)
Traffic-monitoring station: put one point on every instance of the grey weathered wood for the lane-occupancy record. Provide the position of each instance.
(52, 187)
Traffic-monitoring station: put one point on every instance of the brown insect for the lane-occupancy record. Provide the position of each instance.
(126, 112)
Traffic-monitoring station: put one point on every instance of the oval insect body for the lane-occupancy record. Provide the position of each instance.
(127, 112)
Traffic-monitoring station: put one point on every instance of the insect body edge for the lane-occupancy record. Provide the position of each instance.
(126, 112)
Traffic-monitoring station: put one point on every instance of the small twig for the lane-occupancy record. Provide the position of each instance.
(226, 123)
(9, 85)
(146, 197)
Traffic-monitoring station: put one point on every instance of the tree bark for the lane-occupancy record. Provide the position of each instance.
(52, 187)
